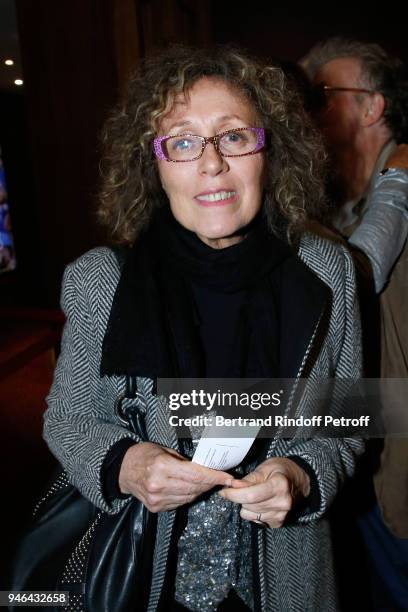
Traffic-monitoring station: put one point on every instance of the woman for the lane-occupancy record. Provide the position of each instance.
(219, 280)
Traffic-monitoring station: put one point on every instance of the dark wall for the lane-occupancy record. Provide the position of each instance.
(70, 83)
(27, 283)
(286, 31)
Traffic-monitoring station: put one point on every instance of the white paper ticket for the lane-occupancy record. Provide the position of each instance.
(224, 453)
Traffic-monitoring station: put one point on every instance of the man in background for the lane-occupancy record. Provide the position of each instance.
(360, 96)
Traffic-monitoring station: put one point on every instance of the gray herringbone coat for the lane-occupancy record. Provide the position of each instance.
(295, 562)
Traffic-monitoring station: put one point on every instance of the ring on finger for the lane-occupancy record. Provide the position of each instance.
(258, 520)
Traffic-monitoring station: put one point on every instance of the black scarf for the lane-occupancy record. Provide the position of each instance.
(153, 330)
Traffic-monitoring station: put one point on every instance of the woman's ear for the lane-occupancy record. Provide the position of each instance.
(374, 106)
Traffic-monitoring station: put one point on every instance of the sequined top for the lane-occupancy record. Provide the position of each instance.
(214, 556)
(214, 553)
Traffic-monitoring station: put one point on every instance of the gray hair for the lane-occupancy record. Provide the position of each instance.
(379, 71)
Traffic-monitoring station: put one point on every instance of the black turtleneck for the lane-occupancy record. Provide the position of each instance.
(197, 312)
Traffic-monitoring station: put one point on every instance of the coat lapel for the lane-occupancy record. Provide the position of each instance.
(303, 300)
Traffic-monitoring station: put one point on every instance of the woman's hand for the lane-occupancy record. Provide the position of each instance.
(270, 491)
(162, 479)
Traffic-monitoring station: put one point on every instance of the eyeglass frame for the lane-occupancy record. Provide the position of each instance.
(158, 148)
(321, 89)
(353, 89)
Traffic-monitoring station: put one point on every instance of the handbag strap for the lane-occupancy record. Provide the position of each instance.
(135, 420)
(131, 387)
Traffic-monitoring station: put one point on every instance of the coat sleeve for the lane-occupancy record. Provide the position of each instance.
(334, 459)
(386, 215)
(80, 425)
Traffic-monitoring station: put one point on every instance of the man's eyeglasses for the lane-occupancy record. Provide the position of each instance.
(319, 93)
(189, 147)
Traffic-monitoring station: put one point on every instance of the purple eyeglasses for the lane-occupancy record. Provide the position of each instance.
(189, 147)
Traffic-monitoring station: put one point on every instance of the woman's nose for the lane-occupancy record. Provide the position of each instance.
(211, 162)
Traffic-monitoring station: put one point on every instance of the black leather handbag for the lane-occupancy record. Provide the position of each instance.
(104, 561)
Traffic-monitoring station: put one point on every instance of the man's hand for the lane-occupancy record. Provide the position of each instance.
(270, 491)
(162, 479)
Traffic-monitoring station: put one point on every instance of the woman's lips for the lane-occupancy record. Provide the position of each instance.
(216, 198)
